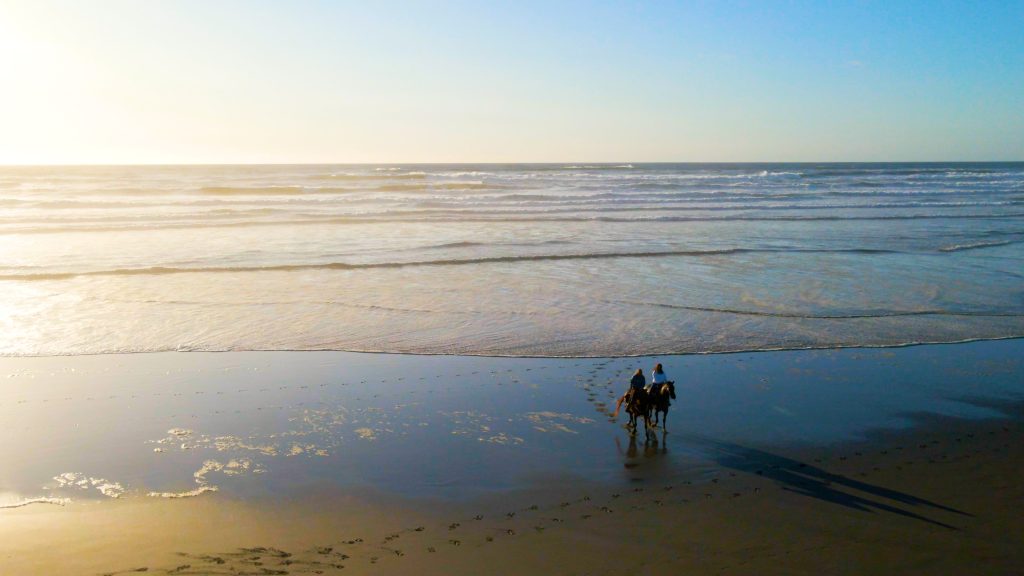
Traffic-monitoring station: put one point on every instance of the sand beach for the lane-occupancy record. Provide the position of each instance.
(886, 461)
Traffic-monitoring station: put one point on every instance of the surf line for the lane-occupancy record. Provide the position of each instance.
(891, 314)
(160, 270)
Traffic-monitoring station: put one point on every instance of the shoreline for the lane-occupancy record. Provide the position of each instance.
(533, 357)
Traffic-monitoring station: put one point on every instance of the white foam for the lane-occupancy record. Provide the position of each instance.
(236, 467)
(366, 433)
(40, 500)
(226, 443)
(233, 467)
(110, 489)
(185, 494)
(501, 438)
(82, 482)
(540, 416)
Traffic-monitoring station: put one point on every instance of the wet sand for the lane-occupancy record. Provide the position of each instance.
(864, 468)
(944, 499)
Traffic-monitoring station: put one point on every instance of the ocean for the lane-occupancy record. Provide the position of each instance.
(509, 259)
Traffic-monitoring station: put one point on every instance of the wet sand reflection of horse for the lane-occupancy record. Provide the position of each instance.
(652, 458)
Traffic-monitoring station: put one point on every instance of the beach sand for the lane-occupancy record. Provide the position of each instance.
(889, 461)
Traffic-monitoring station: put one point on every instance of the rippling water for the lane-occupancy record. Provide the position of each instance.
(509, 259)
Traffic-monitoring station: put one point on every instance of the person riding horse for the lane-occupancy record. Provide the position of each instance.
(660, 395)
(636, 389)
(657, 378)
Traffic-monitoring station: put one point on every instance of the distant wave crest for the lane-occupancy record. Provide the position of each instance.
(379, 176)
(809, 316)
(158, 270)
(251, 190)
(974, 246)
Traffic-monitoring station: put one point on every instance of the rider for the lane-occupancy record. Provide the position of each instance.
(657, 378)
(635, 384)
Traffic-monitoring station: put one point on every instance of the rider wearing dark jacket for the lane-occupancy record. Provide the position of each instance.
(638, 381)
(636, 386)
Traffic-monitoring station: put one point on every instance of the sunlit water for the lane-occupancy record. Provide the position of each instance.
(601, 260)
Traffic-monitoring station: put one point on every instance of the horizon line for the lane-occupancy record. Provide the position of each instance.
(505, 163)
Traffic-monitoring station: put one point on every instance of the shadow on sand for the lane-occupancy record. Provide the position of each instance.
(814, 482)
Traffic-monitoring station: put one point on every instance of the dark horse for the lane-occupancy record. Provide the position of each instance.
(638, 406)
(659, 399)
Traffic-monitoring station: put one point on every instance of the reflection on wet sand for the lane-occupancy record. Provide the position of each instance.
(268, 423)
(477, 457)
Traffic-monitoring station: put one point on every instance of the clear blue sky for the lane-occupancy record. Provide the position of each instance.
(248, 81)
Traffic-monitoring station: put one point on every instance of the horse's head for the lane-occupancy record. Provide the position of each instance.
(671, 389)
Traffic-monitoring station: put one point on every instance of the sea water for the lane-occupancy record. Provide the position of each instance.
(539, 259)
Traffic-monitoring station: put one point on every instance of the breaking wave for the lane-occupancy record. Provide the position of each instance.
(162, 270)
(554, 259)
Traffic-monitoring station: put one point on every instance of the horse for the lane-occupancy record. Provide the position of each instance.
(638, 405)
(659, 400)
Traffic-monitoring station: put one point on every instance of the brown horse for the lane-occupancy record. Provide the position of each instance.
(659, 401)
(638, 405)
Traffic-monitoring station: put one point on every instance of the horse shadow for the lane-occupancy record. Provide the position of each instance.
(814, 482)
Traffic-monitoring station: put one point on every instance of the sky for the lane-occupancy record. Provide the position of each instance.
(149, 82)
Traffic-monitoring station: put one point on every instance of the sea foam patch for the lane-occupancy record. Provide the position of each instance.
(471, 423)
(185, 494)
(78, 480)
(548, 421)
(13, 501)
(233, 467)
